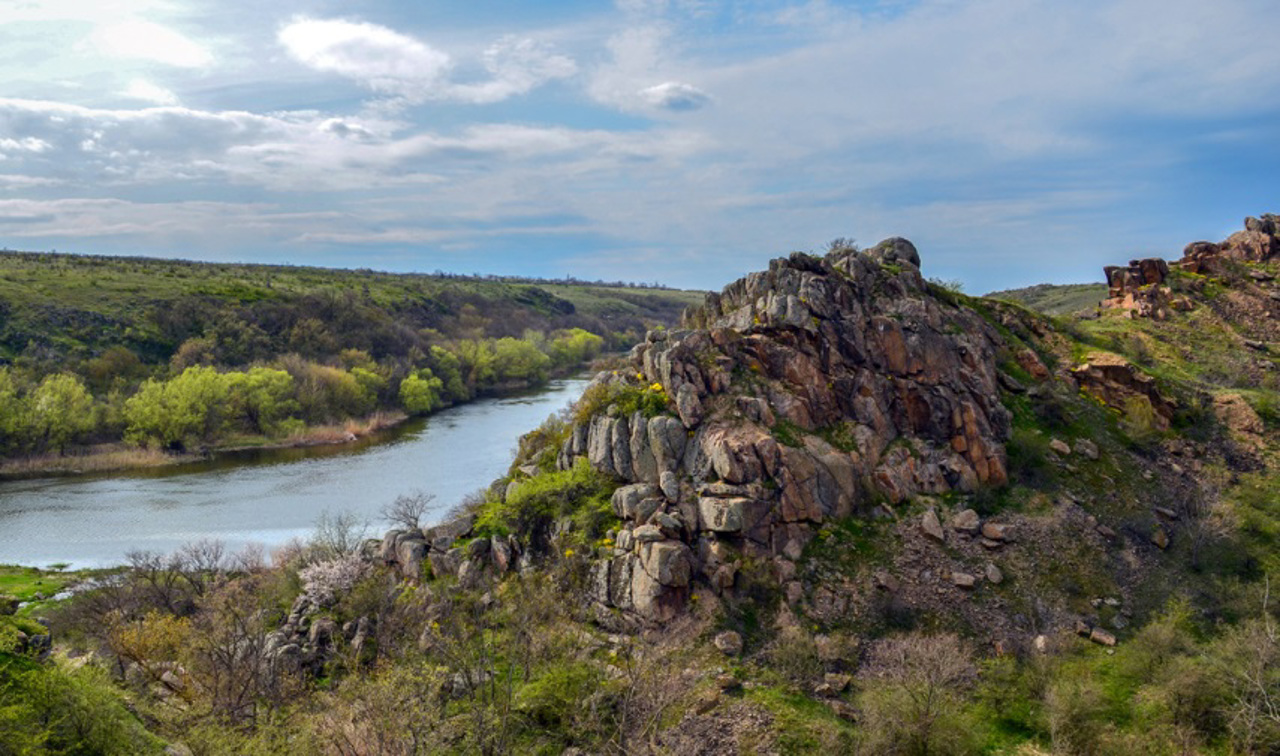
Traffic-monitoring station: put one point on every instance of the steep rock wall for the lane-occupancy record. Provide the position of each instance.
(816, 389)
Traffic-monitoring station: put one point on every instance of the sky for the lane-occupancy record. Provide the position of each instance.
(685, 142)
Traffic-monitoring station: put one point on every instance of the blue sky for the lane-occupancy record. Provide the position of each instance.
(683, 141)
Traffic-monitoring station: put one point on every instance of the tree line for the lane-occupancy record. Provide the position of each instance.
(197, 402)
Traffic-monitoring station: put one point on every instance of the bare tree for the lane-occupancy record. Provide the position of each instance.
(408, 510)
(337, 534)
(912, 695)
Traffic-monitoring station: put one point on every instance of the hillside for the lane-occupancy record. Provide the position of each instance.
(176, 356)
(839, 509)
(1055, 299)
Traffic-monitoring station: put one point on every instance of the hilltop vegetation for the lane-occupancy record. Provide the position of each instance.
(842, 510)
(176, 356)
(1055, 299)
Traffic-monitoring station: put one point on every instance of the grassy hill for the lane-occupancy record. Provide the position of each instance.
(1055, 299)
(178, 355)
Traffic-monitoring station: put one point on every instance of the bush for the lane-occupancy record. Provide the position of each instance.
(580, 493)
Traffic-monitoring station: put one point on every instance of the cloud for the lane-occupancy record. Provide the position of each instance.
(391, 63)
(377, 57)
(517, 66)
(146, 40)
(301, 151)
(26, 144)
(674, 95)
(141, 89)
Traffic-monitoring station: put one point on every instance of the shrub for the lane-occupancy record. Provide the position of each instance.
(580, 493)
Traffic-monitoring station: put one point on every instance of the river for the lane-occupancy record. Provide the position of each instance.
(269, 496)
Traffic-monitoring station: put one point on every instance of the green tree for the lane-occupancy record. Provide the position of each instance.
(448, 368)
(261, 398)
(60, 410)
(174, 413)
(573, 347)
(12, 412)
(420, 392)
(519, 360)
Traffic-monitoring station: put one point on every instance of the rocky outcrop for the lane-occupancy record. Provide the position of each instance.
(1258, 242)
(1139, 288)
(1118, 384)
(796, 395)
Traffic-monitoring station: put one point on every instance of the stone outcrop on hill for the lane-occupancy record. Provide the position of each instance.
(1139, 288)
(1118, 384)
(1258, 242)
(809, 391)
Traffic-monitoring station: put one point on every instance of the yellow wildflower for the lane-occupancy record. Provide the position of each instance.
(568, 553)
(656, 387)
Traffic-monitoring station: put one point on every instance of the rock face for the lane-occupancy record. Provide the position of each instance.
(797, 394)
(1258, 242)
(1139, 287)
(1119, 384)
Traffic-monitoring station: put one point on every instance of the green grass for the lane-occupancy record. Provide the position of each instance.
(27, 583)
(803, 725)
(1053, 299)
(81, 304)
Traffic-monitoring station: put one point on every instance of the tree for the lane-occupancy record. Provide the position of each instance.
(519, 360)
(262, 398)
(448, 368)
(60, 410)
(408, 510)
(12, 411)
(914, 705)
(420, 392)
(174, 413)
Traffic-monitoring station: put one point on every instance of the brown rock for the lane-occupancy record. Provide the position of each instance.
(1160, 537)
(995, 531)
(930, 526)
(993, 574)
(1060, 447)
(966, 521)
(1086, 448)
(1102, 637)
(963, 580)
(728, 642)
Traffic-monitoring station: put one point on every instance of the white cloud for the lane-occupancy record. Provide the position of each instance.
(146, 40)
(379, 58)
(26, 144)
(517, 66)
(674, 95)
(391, 63)
(141, 89)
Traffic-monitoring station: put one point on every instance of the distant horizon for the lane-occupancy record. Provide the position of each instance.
(1013, 143)
(567, 279)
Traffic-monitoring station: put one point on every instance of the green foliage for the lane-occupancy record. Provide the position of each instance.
(550, 700)
(58, 411)
(579, 493)
(261, 399)
(1053, 299)
(447, 366)
(421, 393)
(179, 412)
(624, 397)
(574, 347)
(518, 360)
(49, 709)
(788, 433)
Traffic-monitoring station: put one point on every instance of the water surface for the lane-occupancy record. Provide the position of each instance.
(270, 496)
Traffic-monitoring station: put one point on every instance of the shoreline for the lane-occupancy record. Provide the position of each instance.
(120, 457)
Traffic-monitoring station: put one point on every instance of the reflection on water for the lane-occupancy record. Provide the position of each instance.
(268, 496)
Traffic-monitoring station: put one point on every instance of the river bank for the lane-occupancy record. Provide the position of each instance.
(269, 496)
(121, 457)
